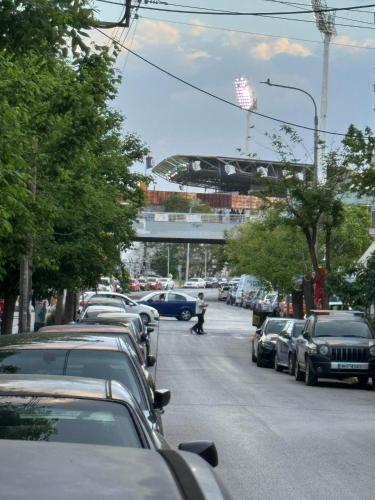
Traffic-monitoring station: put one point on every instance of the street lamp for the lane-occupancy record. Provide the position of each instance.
(247, 100)
(268, 82)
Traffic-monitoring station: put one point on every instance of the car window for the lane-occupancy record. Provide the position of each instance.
(176, 297)
(158, 297)
(67, 420)
(274, 326)
(109, 365)
(297, 329)
(342, 328)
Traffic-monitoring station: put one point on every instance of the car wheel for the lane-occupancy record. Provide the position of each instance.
(291, 364)
(363, 381)
(276, 365)
(185, 315)
(253, 357)
(310, 377)
(145, 318)
(298, 375)
(259, 359)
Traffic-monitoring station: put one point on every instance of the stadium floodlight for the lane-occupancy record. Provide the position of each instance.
(247, 100)
(245, 94)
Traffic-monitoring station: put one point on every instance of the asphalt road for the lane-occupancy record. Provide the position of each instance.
(277, 438)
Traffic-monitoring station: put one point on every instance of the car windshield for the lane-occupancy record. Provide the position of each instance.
(67, 420)
(343, 328)
(297, 329)
(274, 326)
(111, 365)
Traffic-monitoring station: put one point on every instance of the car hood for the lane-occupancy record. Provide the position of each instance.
(344, 341)
(271, 337)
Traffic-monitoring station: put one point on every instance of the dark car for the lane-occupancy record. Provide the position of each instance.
(102, 357)
(285, 352)
(231, 298)
(335, 344)
(212, 282)
(65, 471)
(263, 343)
(79, 410)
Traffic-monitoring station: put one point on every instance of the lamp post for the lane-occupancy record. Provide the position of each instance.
(247, 101)
(316, 121)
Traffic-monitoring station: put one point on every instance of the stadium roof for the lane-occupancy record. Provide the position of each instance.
(221, 173)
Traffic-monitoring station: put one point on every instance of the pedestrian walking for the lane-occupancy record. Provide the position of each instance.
(200, 310)
(40, 309)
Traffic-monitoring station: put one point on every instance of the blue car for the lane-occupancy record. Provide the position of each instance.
(171, 304)
(285, 351)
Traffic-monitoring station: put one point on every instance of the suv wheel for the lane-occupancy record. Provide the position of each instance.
(310, 377)
(298, 375)
(291, 364)
(253, 357)
(276, 365)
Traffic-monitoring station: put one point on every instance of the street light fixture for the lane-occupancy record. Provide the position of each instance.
(316, 121)
(247, 100)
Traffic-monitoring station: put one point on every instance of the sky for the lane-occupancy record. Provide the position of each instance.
(174, 119)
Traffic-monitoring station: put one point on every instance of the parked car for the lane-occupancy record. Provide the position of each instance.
(212, 282)
(269, 305)
(85, 471)
(246, 284)
(172, 304)
(195, 283)
(248, 298)
(148, 314)
(143, 283)
(335, 344)
(153, 283)
(285, 351)
(223, 292)
(257, 298)
(105, 284)
(135, 286)
(166, 283)
(103, 357)
(263, 343)
(234, 281)
(232, 295)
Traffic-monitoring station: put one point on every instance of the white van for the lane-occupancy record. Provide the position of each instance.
(247, 285)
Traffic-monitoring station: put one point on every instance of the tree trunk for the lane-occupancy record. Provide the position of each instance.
(59, 307)
(8, 314)
(308, 294)
(297, 301)
(70, 306)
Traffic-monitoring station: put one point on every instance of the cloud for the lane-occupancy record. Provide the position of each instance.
(197, 54)
(155, 33)
(267, 50)
(347, 40)
(198, 29)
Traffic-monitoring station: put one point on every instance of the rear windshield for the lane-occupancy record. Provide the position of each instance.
(68, 421)
(274, 326)
(75, 362)
(343, 328)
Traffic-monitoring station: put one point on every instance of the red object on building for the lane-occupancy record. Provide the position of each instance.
(318, 281)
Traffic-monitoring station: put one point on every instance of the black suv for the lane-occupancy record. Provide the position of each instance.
(335, 345)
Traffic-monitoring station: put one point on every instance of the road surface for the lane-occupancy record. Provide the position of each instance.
(277, 438)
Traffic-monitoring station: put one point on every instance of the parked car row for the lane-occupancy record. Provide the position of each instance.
(80, 414)
(152, 283)
(328, 344)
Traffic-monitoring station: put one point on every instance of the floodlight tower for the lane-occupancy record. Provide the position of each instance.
(247, 100)
(325, 22)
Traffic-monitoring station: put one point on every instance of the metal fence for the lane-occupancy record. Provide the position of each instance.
(196, 218)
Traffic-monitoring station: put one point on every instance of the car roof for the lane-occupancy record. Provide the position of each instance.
(63, 386)
(62, 340)
(84, 328)
(103, 307)
(94, 472)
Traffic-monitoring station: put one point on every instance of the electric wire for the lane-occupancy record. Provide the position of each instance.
(220, 28)
(218, 98)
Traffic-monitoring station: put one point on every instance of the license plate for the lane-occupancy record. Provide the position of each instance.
(349, 366)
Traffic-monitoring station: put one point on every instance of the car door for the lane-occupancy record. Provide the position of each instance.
(178, 302)
(283, 343)
(159, 301)
(302, 341)
(258, 335)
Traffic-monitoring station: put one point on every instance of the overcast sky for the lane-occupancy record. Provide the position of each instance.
(175, 119)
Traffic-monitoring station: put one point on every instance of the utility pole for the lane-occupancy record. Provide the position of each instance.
(325, 22)
(187, 261)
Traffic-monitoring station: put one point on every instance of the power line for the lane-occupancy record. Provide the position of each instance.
(214, 96)
(283, 2)
(272, 13)
(220, 28)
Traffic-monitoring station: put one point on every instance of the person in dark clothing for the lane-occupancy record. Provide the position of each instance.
(200, 310)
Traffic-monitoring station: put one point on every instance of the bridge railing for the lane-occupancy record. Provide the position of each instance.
(197, 218)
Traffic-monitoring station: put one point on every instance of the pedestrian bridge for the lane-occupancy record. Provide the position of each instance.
(187, 228)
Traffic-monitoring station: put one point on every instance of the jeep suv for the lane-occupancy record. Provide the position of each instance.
(335, 344)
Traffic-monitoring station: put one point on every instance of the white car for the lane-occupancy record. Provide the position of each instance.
(195, 283)
(147, 313)
(166, 283)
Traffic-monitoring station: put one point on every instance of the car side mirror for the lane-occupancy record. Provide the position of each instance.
(151, 360)
(161, 398)
(144, 337)
(258, 331)
(305, 335)
(205, 449)
(149, 329)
